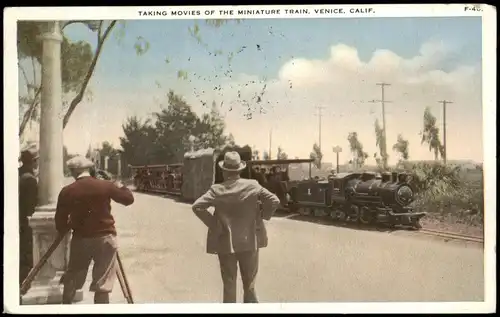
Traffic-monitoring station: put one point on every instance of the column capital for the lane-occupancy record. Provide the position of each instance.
(52, 32)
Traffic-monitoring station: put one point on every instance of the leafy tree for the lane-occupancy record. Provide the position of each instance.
(281, 155)
(108, 150)
(430, 134)
(381, 143)
(176, 130)
(230, 140)
(77, 65)
(174, 125)
(255, 154)
(316, 155)
(402, 147)
(357, 149)
(209, 131)
(265, 155)
(138, 143)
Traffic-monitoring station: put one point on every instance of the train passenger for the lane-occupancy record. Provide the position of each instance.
(84, 207)
(257, 175)
(236, 228)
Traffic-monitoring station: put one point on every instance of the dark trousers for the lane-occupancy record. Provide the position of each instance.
(25, 251)
(249, 265)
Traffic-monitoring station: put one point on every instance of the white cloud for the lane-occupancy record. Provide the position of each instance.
(342, 83)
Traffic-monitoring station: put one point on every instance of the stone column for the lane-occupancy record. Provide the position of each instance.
(45, 288)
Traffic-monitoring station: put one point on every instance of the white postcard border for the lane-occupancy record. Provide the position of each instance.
(11, 150)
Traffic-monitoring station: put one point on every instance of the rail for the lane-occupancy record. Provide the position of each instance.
(451, 235)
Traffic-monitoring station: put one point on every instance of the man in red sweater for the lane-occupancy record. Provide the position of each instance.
(85, 207)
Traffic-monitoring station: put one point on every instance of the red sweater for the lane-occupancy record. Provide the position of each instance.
(85, 206)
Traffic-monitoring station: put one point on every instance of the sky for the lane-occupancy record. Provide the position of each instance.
(295, 65)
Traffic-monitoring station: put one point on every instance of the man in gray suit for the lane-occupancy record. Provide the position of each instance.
(236, 229)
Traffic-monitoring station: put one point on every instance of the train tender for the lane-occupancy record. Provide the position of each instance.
(359, 197)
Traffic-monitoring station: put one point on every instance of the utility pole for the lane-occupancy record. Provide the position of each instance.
(383, 102)
(337, 150)
(320, 108)
(444, 103)
(270, 141)
(320, 114)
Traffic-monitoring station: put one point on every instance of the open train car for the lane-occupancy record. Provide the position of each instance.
(162, 178)
(274, 175)
(360, 197)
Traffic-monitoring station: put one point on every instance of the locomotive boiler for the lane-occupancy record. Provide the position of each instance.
(359, 197)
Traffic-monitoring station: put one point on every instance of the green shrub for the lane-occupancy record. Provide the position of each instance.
(443, 191)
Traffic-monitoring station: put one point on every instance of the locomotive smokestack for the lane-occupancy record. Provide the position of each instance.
(394, 177)
(386, 177)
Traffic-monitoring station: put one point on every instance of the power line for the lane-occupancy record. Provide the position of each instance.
(383, 102)
(444, 103)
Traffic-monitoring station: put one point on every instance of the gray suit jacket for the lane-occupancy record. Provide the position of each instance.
(237, 223)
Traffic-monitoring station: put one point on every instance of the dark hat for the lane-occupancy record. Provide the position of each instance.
(29, 153)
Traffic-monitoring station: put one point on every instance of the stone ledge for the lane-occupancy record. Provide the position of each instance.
(47, 294)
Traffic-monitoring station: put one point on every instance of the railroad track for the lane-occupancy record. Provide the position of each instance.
(432, 232)
(451, 235)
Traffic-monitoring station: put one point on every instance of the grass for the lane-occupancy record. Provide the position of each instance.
(450, 196)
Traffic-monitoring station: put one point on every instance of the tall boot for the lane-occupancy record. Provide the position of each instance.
(101, 298)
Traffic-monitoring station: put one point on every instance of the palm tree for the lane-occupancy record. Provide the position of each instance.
(402, 147)
(430, 134)
(316, 155)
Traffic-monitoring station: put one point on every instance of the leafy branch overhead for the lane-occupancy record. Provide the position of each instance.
(77, 66)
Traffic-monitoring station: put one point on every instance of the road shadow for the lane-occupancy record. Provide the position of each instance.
(327, 221)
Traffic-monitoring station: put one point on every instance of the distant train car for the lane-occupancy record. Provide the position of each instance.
(359, 197)
(163, 178)
(201, 169)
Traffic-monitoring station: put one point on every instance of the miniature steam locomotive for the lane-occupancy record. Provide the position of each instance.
(359, 197)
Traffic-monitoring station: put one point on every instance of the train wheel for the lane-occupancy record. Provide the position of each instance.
(317, 212)
(416, 224)
(333, 214)
(355, 213)
(365, 216)
(341, 215)
(302, 211)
